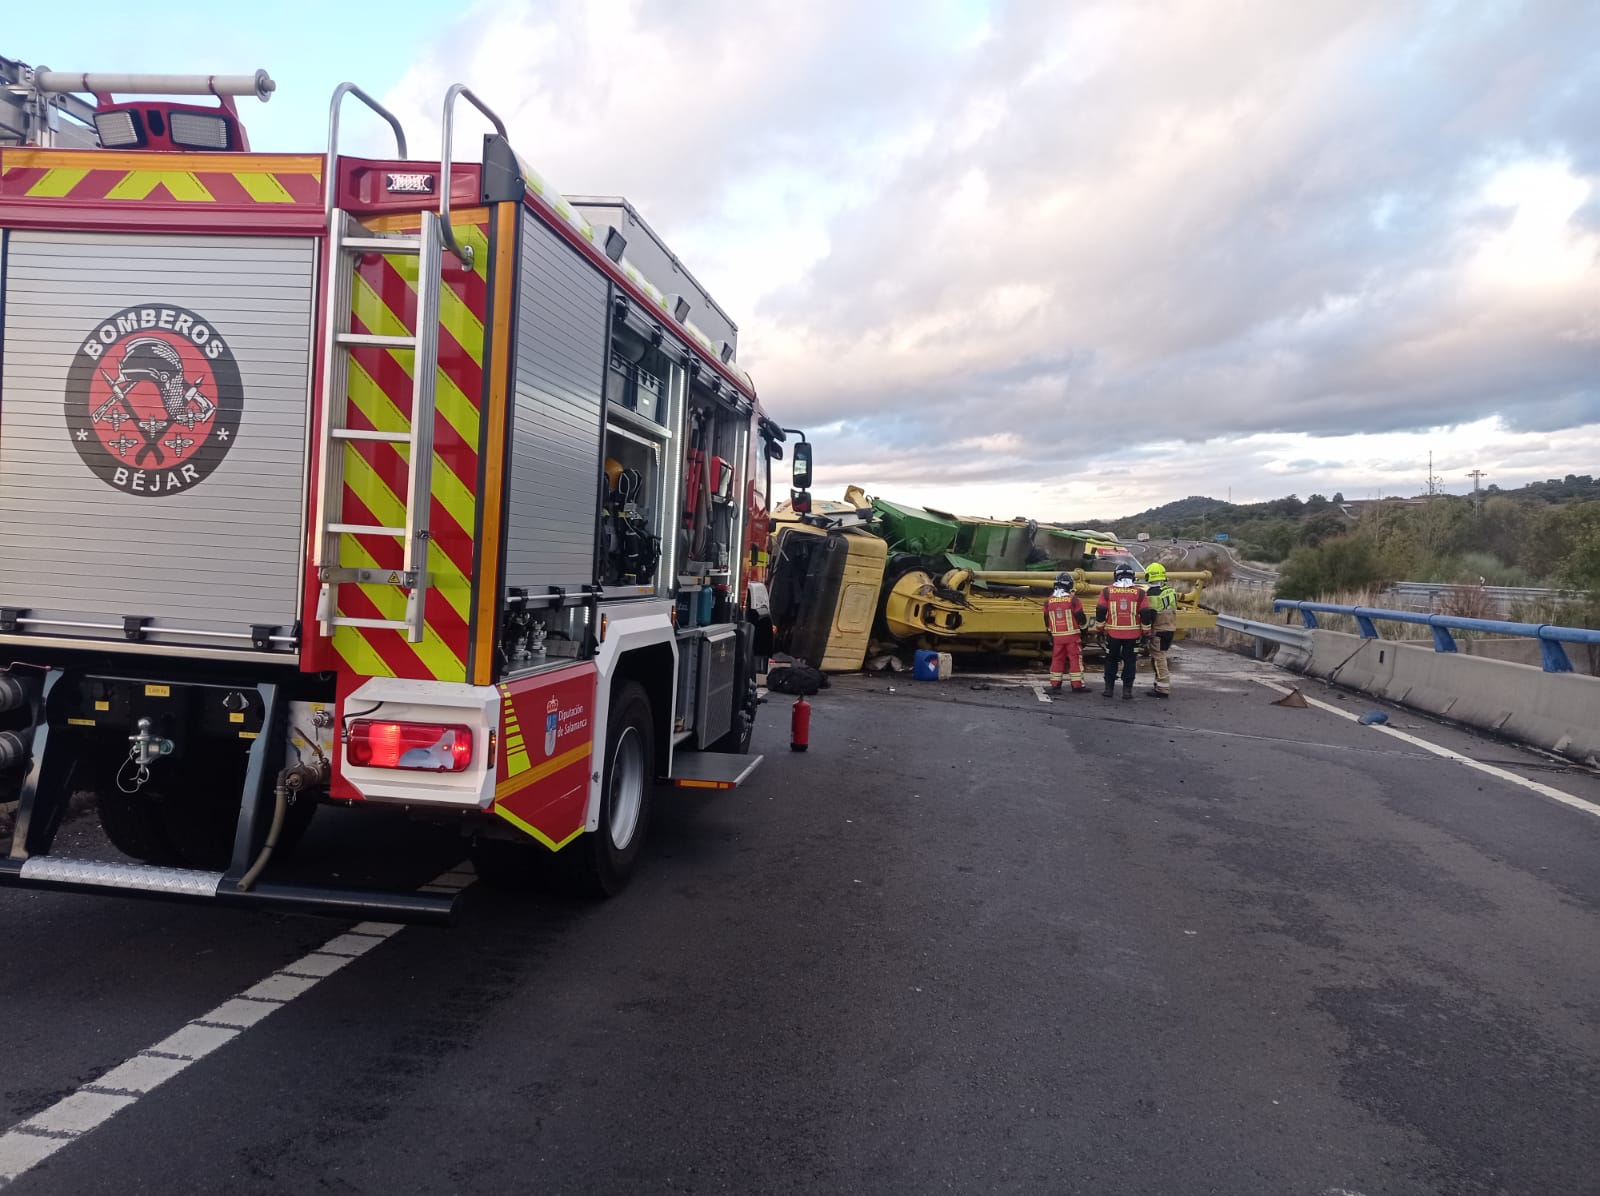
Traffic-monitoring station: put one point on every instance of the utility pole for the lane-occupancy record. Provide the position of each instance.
(1434, 485)
(1477, 475)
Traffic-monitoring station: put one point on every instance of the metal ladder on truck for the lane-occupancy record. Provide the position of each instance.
(348, 241)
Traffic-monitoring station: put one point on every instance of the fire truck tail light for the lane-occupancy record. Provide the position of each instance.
(424, 747)
(195, 131)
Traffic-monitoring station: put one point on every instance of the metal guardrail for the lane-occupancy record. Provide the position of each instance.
(1550, 637)
(1502, 598)
(1276, 633)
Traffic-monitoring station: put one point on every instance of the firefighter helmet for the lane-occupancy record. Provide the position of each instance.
(151, 360)
(1064, 581)
(1123, 575)
(1156, 572)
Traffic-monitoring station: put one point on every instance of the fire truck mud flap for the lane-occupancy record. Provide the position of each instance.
(186, 884)
(712, 770)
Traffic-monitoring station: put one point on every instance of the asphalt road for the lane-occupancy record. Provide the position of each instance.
(1203, 554)
(972, 941)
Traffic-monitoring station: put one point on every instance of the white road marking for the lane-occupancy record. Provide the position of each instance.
(28, 1143)
(1566, 799)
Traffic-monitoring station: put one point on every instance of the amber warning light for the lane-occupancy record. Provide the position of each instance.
(424, 747)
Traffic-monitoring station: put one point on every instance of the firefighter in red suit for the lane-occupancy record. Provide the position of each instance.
(1064, 616)
(1124, 611)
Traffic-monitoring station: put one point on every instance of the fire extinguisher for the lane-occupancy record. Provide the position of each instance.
(800, 725)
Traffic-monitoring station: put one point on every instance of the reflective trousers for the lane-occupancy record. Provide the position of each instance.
(1160, 642)
(1066, 656)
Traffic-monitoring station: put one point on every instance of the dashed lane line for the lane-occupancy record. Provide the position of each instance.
(28, 1143)
(1566, 799)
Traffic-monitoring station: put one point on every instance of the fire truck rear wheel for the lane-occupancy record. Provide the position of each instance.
(134, 825)
(607, 856)
(202, 811)
(187, 814)
(598, 863)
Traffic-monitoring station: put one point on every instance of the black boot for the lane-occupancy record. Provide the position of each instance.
(1127, 691)
(1111, 687)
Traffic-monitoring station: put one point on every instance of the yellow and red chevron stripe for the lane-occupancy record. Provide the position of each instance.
(546, 753)
(105, 187)
(384, 301)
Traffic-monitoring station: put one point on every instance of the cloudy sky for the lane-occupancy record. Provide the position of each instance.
(1058, 258)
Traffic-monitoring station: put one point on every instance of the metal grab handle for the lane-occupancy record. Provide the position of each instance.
(330, 182)
(464, 252)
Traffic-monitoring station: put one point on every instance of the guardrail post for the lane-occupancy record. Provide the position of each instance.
(1555, 656)
(1550, 637)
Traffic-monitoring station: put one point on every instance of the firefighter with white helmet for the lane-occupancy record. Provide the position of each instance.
(1064, 616)
(1124, 611)
(1164, 601)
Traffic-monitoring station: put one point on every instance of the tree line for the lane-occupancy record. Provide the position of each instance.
(1543, 534)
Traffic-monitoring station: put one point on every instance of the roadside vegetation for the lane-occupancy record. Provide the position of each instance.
(1543, 535)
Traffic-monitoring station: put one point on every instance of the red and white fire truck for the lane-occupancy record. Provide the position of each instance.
(382, 482)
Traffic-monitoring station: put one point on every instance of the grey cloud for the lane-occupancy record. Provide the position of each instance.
(1181, 222)
(1204, 300)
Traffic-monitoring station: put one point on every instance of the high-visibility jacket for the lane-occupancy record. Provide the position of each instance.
(1125, 611)
(1064, 615)
(1164, 601)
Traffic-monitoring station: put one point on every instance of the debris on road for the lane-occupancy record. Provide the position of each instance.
(796, 679)
(1373, 718)
(1293, 698)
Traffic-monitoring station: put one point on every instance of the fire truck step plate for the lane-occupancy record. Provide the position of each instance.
(380, 624)
(382, 244)
(180, 882)
(183, 884)
(362, 434)
(712, 770)
(373, 340)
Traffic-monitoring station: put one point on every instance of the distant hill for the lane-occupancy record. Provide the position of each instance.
(1270, 530)
(1196, 506)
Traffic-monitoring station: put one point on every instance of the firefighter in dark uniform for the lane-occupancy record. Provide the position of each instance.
(1164, 601)
(1124, 612)
(1065, 618)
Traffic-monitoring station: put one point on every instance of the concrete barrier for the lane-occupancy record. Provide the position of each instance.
(1525, 651)
(1559, 712)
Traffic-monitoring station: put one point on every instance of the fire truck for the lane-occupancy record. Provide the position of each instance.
(383, 482)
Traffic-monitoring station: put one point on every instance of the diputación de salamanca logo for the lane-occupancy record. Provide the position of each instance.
(153, 400)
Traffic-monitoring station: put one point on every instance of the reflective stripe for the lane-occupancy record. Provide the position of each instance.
(1122, 609)
(1059, 611)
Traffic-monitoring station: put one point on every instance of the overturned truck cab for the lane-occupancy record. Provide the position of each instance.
(387, 483)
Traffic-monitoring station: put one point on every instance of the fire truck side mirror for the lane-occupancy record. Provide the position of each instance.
(800, 502)
(802, 466)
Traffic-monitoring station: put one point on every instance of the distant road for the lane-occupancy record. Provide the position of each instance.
(1202, 554)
